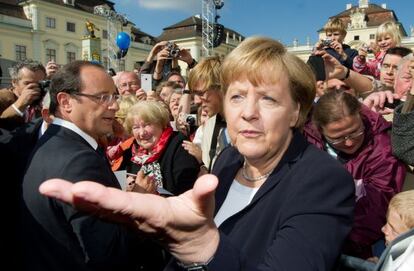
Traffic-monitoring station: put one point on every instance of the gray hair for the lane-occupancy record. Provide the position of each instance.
(29, 64)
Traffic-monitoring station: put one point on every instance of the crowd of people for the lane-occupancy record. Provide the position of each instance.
(258, 161)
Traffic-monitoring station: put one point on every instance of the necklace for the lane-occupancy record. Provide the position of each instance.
(255, 179)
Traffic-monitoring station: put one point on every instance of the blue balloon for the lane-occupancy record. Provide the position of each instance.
(123, 40)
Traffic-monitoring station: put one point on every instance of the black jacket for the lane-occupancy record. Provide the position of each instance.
(298, 218)
(179, 169)
(56, 236)
(351, 53)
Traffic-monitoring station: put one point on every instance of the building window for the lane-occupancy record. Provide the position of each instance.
(70, 27)
(20, 52)
(50, 55)
(71, 56)
(356, 37)
(372, 36)
(104, 34)
(50, 22)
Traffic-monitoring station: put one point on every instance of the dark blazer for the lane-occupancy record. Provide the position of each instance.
(351, 54)
(16, 147)
(297, 220)
(57, 236)
(179, 169)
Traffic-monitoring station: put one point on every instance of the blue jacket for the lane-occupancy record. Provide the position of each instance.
(298, 219)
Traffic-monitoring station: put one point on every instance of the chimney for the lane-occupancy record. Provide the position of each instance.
(363, 3)
(384, 6)
(348, 6)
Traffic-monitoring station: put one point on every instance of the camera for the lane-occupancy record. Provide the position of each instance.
(392, 105)
(191, 119)
(174, 52)
(367, 49)
(326, 42)
(43, 85)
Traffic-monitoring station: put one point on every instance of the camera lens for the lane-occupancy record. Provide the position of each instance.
(190, 120)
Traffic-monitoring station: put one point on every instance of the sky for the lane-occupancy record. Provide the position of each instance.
(281, 20)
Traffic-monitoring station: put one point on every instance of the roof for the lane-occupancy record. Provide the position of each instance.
(11, 8)
(14, 9)
(187, 28)
(375, 15)
(140, 36)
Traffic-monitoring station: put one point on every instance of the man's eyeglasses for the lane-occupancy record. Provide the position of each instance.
(341, 140)
(102, 98)
(129, 84)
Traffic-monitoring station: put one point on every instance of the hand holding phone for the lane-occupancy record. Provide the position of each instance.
(146, 82)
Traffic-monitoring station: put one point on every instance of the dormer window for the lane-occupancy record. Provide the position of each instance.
(69, 2)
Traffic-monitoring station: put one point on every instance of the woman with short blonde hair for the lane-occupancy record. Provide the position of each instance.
(155, 152)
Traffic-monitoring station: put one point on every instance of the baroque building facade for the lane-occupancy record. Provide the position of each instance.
(46, 30)
(362, 21)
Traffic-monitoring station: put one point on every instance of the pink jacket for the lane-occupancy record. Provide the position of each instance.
(370, 67)
(382, 177)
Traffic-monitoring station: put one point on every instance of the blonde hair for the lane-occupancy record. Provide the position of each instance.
(389, 28)
(335, 24)
(152, 112)
(264, 60)
(125, 103)
(403, 204)
(207, 71)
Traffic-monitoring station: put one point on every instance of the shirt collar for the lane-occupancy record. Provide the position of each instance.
(71, 126)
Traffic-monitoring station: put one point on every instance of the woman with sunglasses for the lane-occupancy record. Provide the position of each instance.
(359, 138)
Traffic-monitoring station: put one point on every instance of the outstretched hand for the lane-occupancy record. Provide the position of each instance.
(184, 224)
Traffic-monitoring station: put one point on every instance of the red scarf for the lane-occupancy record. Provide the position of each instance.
(139, 155)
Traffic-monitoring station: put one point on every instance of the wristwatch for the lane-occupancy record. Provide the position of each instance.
(186, 91)
(192, 64)
(193, 266)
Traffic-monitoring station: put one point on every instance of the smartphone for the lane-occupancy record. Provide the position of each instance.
(146, 82)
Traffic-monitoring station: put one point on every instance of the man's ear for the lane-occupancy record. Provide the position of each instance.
(14, 82)
(64, 102)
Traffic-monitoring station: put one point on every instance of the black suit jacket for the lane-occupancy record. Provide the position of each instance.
(297, 220)
(16, 147)
(56, 236)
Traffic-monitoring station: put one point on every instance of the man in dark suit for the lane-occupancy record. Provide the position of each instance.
(56, 236)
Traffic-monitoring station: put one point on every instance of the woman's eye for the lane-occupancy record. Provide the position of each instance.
(236, 98)
(268, 99)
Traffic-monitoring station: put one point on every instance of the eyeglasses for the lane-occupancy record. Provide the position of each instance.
(341, 140)
(202, 92)
(102, 98)
(129, 84)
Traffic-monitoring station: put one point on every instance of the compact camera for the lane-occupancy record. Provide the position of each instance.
(174, 52)
(326, 42)
(191, 119)
(368, 49)
(393, 105)
(43, 85)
